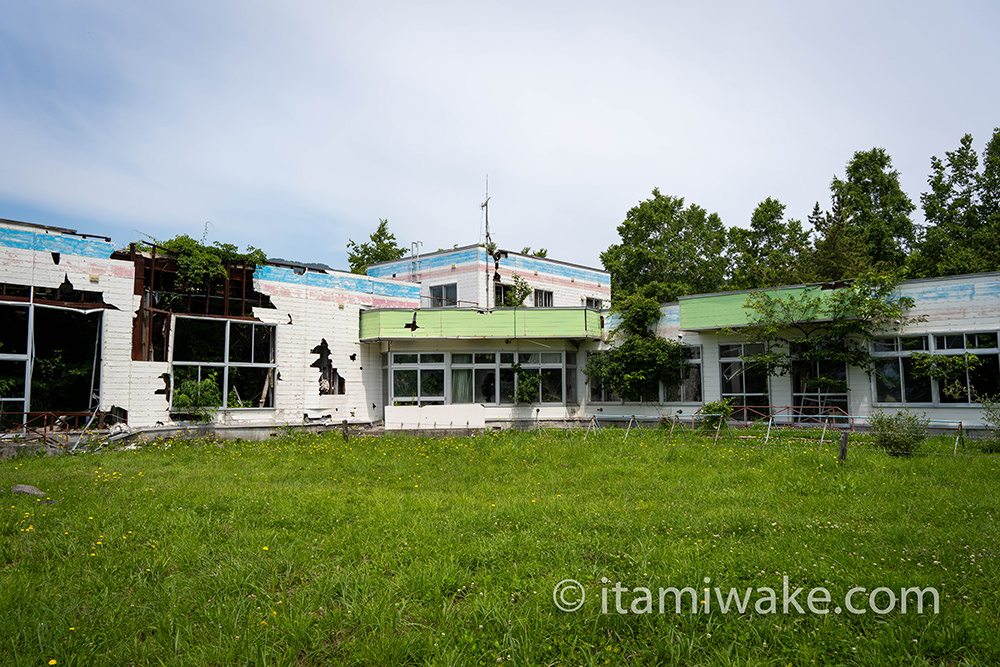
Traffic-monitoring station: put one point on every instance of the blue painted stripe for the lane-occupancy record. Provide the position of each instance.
(520, 263)
(68, 245)
(670, 314)
(348, 282)
(429, 262)
(511, 263)
(950, 291)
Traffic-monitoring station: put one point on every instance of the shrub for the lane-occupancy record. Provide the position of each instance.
(990, 444)
(714, 412)
(900, 434)
(196, 400)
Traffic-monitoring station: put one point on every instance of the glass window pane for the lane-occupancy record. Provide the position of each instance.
(461, 385)
(404, 383)
(551, 357)
(435, 358)
(673, 393)
(949, 342)
(727, 351)
(918, 342)
(241, 342)
(691, 385)
(986, 377)
(917, 387)
(485, 385)
(571, 380)
(485, 357)
(250, 387)
(506, 385)
(400, 358)
(884, 345)
(263, 343)
(732, 377)
(506, 357)
(431, 382)
(756, 381)
(461, 358)
(528, 358)
(571, 358)
(888, 386)
(199, 340)
(552, 385)
(692, 352)
(982, 340)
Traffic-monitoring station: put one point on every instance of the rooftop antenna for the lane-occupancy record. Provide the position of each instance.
(485, 206)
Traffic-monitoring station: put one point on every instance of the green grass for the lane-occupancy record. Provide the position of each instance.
(306, 550)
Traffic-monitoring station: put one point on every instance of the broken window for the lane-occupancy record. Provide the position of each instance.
(163, 294)
(49, 360)
(330, 381)
(222, 363)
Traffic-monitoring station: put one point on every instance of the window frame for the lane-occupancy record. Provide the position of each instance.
(442, 299)
(543, 298)
(225, 365)
(885, 349)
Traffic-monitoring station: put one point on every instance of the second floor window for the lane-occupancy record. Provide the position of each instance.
(543, 298)
(444, 296)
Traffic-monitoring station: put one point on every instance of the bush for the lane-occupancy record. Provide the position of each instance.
(715, 412)
(990, 444)
(900, 434)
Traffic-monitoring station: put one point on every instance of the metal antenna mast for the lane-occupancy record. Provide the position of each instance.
(485, 206)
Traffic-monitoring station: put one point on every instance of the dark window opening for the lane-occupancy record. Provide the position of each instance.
(221, 363)
(502, 295)
(543, 298)
(65, 376)
(64, 295)
(444, 296)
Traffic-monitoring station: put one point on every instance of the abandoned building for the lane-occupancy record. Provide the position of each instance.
(91, 333)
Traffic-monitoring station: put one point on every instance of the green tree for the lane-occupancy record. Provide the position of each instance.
(667, 250)
(639, 360)
(771, 252)
(519, 292)
(198, 264)
(380, 247)
(541, 252)
(821, 325)
(874, 208)
(838, 253)
(962, 211)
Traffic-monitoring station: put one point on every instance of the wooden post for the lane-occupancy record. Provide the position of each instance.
(343, 427)
(843, 448)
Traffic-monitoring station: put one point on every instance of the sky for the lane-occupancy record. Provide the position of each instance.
(295, 126)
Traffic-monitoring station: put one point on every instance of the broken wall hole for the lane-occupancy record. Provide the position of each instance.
(330, 381)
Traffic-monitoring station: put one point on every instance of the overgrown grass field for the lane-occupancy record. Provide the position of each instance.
(306, 550)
